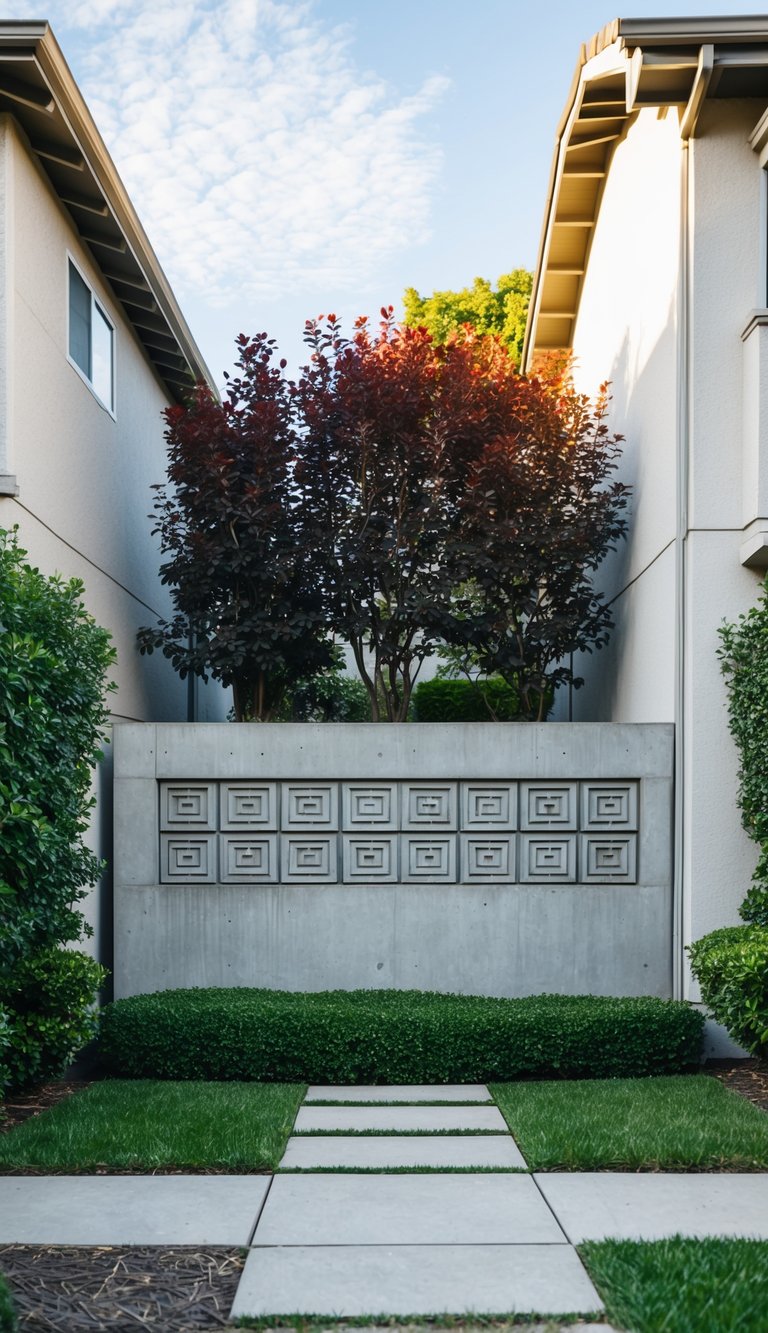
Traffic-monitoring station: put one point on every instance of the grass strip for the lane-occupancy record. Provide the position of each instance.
(674, 1123)
(8, 1322)
(681, 1284)
(142, 1125)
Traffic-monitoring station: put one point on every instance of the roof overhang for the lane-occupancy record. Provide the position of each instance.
(38, 89)
(630, 64)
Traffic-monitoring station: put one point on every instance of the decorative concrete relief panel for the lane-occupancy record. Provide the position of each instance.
(370, 859)
(313, 805)
(549, 805)
(489, 805)
(369, 805)
(485, 857)
(608, 860)
(429, 805)
(251, 860)
(548, 859)
(428, 859)
(188, 805)
(249, 805)
(608, 805)
(188, 860)
(308, 858)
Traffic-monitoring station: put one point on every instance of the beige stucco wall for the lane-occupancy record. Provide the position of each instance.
(84, 476)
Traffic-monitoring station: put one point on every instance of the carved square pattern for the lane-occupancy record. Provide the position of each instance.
(491, 805)
(546, 858)
(607, 860)
(253, 860)
(369, 859)
(608, 805)
(308, 858)
(310, 805)
(429, 805)
(188, 805)
(487, 857)
(369, 805)
(432, 860)
(548, 805)
(249, 805)
(187, 860)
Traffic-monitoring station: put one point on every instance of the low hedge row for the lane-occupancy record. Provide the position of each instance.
(731, 966)
(393, 1036)
(442, 700)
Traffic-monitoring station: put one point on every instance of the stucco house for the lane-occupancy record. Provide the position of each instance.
(93, 347)
(653, 271)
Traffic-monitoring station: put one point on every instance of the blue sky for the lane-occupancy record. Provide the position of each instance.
(291, 157)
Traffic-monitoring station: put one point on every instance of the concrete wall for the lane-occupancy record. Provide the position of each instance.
(597, 923)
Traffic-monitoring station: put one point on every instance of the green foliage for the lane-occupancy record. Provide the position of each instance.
(8, 1322)
(442, 700)
(53, 667)
(731, 966)
(393, 1036)
(681, 1284)
(502, 311)
(48, 997)
(744, 659)
(329, 696)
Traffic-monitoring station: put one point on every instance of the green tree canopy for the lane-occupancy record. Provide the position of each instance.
(502, 310)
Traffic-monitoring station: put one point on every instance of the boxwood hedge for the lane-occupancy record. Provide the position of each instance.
(385, 1036)
(731, 965)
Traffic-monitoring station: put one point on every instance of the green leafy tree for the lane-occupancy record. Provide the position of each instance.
(54, 662)
(501, 310)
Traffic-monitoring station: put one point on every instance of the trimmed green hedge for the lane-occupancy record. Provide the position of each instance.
(731, 966)
(394, 1036)
(462, 701)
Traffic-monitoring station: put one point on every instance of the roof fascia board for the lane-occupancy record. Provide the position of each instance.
(693, 31)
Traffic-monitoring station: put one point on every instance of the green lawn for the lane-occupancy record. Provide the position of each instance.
(145, 1124)
(681, 1285)
(677, 1122)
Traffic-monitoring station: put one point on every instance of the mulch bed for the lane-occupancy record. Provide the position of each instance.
(24, 1105)
(67, 1289)
(747, 1077)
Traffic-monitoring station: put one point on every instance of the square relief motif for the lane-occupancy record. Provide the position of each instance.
(186, 860)
(608, 805)
(310, 805)
(548, 858)
(432, 860)
(429, 805)
(308, 858)
(369, 859)
(606, 860)
(249, 805)
(548, 805)
(487, 858)
(369, 805)
(245, 859)
(188, 805)
(490, 805)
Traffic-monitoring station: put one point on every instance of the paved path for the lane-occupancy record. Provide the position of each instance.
(392, 1201)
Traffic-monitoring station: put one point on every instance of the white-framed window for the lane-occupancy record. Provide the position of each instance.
(90, 338)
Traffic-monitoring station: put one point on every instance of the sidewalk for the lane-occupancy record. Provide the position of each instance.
(392, 1201)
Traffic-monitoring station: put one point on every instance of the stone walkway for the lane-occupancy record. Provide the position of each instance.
(391, 1201)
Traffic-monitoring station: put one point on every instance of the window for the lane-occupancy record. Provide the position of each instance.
(91, 339)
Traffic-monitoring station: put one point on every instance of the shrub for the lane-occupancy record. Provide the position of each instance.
(393, 1036)
(731, 966)
(48, 999)
(442, 700)
(7, 1317)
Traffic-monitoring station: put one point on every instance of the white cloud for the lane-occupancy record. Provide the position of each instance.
(259, 157)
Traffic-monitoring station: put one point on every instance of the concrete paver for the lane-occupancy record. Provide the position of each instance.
(649, 1206)
(423, 1280)
(399, 1119)
(130, 1210)
(387, 1151)
(399, 1092)
(432, 1209)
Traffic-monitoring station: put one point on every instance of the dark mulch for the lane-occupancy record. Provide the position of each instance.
(23, 1105)
(747, 1077)
(63, 1289)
